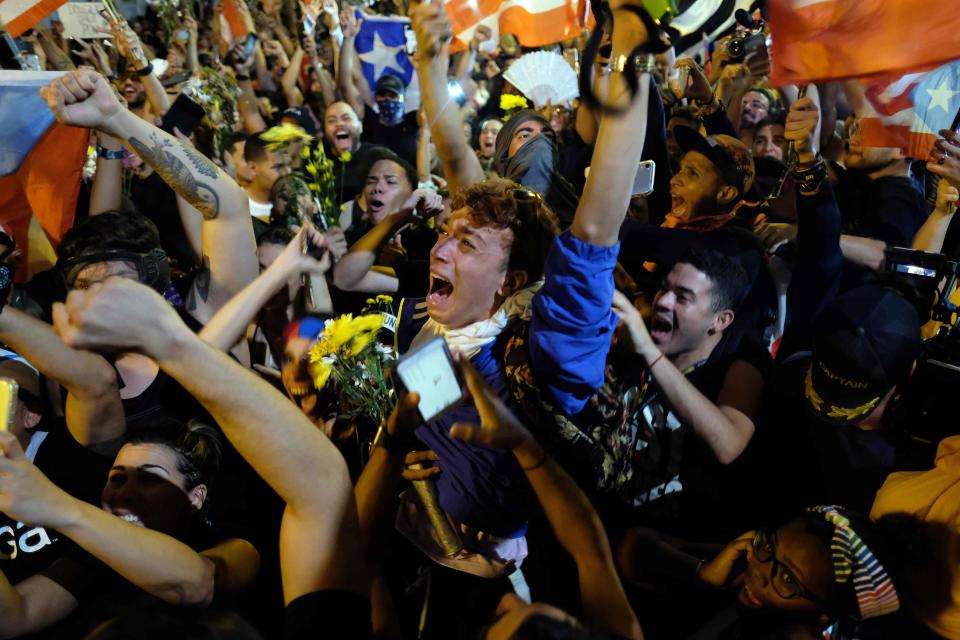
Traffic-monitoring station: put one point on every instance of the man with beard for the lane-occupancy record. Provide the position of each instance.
(342, 129)
(140, 86)
(382, 110)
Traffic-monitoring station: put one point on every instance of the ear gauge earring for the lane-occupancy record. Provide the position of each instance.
(711, 331)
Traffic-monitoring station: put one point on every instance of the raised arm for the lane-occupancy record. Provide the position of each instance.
(228, 325)
(291, 77)
(319, 539)
(106, 194)
(606, 195)
(572, 517)
(94, 413)
(725, 427)
(84, 99)
(128, 43)
(347, 78)
(461, 167)
(353, 271)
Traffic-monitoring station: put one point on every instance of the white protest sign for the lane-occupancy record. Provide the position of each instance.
(82, 19)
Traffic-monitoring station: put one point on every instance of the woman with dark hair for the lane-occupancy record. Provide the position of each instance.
(486, 142)
(824, 569)
(149, 533)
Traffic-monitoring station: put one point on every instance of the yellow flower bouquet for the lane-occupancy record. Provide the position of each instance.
(349, 356)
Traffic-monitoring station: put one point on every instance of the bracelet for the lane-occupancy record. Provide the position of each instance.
(539, 463)
(642, 63)
(242, 77)
(147, 70)
(655, 361)
(809, 179)
(107, 154)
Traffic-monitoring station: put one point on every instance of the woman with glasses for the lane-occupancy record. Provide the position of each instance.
(824, 567)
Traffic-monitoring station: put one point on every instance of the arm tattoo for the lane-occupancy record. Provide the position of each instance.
(201, 286)
(176, 174)
(200, 162)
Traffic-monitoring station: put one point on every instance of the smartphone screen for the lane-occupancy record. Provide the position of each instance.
(308, 25)
(8, 402)
(430, 372)
(184, 114)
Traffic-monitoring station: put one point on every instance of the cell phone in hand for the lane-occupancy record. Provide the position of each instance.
(309, 24)
(8, 403)
(643, 181)
(431, 372)
(184, 114)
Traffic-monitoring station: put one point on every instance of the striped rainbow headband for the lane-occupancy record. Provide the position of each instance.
(853, 559)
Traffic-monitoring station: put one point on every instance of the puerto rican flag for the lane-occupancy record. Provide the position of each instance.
(819, 40)
(909, 112)
(535, 23)
(18, 16)
(41, 165)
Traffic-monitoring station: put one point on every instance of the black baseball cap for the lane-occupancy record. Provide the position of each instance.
(389, 82)
(302, 118)
(865, 342)
(728, 154)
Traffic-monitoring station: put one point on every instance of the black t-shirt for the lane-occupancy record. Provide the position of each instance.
(101, 592)
(25, 549)
(330, 614)
(678, 485)
(401, 138)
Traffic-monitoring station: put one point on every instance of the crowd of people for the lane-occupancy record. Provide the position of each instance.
(702, 407)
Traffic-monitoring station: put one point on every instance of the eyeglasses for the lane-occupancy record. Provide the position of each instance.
(785, 583)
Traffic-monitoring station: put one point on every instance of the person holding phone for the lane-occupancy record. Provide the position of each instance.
(499, 261)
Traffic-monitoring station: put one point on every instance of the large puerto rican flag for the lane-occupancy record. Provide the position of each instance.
(535, 23)
(909, 112)
(18, 16)
(41, 166)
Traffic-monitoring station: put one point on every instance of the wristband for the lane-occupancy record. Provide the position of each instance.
(809, 179)
(427, 184)
(539, 463)
(242, 77)
(147, 70)
(107, 154)
(642, 63)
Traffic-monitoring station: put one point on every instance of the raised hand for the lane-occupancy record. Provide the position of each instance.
(633, 329)
(800, 127)
(349, 22)
(946, 157)
(423, 204)
(433, 29)
(698, 87)
(82, 98)
(331, 15)
(498, 426)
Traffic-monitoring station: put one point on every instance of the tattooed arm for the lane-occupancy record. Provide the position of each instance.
(83, 98)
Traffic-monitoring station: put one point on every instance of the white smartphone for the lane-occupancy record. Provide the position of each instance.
(410, 40)
(643, 181)
(8, 402)
(309, 24)
(431, 372)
